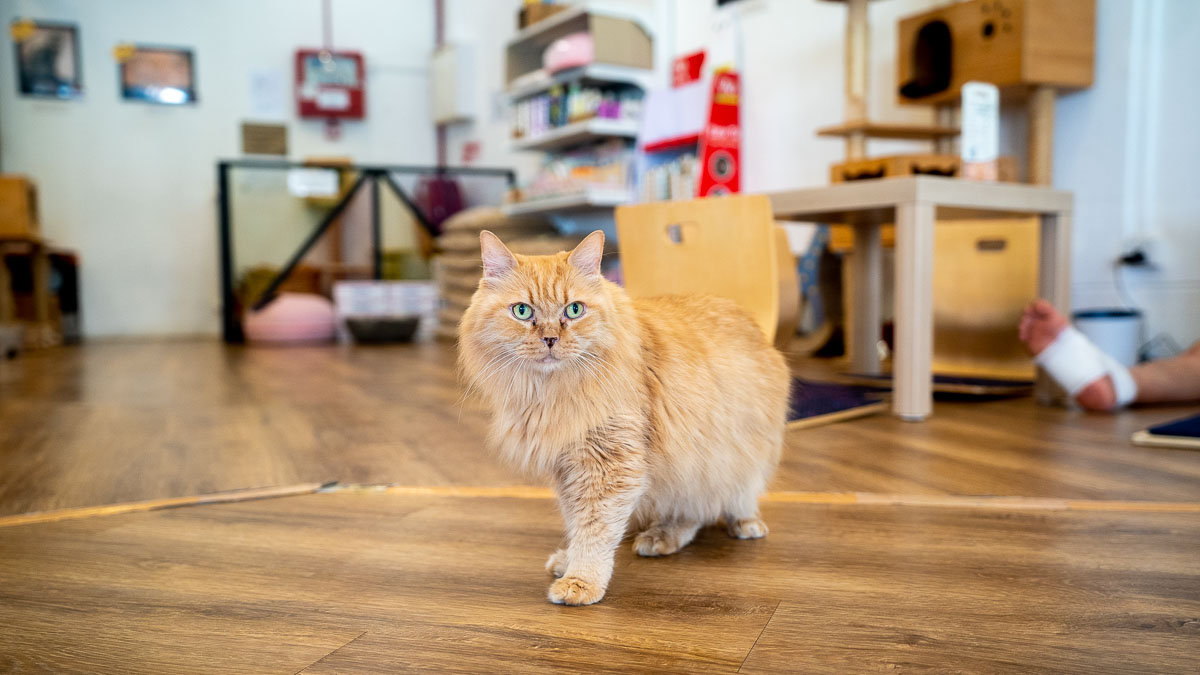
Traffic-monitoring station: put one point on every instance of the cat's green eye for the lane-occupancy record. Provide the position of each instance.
(574, 310)
(522, 311)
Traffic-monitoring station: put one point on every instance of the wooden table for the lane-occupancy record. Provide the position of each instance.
(914, 204)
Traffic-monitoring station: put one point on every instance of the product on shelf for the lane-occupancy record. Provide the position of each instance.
(670, 176)
(606, 166)
(562, 105)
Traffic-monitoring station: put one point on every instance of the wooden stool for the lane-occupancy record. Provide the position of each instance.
(43, 333)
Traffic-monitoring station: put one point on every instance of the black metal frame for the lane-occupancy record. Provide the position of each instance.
(230, 328)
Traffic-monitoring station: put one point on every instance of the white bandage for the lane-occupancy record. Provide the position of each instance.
(1074, 363)
(1123, 383)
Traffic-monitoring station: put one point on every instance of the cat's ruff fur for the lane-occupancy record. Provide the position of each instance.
(665, 413)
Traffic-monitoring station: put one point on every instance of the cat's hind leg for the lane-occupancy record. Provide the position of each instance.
(664, 538)
(741, 517)
(557, 564)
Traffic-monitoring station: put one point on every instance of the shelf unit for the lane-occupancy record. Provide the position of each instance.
(578, 133)
(594, 73)
(623, 57)
(918, 132)
(582, 201)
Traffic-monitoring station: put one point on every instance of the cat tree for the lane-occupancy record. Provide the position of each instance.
(1030, 49)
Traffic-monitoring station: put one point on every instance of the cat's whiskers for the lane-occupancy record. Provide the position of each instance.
(599, 367)
(489, 369)
(599, 379)
(483, 372)
(508, 391)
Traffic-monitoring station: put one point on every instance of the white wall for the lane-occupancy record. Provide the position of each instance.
(486, 25)
(1127, 148)
(132, 186)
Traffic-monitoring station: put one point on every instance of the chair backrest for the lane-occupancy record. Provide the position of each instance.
(725, 246)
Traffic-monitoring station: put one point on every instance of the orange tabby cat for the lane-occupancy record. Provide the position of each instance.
(667, 413)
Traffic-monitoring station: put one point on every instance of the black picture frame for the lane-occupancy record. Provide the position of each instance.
(49, 63)
(159, 75)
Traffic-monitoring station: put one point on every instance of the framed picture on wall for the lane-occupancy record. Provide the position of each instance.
(157, 74)
(47, 59)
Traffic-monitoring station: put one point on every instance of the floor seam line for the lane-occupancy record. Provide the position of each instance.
(118, 508)
(810, 498)
(760, 634)
(338, 649)
(1004, 502)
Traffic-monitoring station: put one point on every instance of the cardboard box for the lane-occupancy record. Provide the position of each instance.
(616, 41)
(531, 14)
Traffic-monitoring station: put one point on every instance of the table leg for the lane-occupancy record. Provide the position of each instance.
(912, 394)
(866, 275)
(41, 286)
(8, 307)
(1054, 283)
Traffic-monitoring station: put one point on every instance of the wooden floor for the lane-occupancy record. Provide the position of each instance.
(997, 537)
(129, 421)
(377, 582)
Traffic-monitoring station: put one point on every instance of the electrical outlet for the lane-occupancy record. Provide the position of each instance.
(1134, 257)
(1138, 252)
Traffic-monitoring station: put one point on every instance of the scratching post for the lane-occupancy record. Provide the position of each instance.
(1041, 135)
(857, 57)
(944, 145)
(860, 344)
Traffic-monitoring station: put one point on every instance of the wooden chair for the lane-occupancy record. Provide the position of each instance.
(725, 246)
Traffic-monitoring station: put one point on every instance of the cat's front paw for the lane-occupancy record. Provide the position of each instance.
(557, 564)
(748, 528)
(575, 591)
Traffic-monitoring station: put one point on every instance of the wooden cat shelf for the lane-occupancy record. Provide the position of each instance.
(1030, 49)
(918, 132)
(1017, 45)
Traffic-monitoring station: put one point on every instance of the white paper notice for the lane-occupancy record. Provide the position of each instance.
(333, 99)
(268, 94)
(313, 182)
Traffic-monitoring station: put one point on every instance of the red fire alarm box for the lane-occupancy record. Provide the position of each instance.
(330, 84)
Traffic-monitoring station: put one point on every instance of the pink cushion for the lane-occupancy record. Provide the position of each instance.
(569, 51)
(292, 317)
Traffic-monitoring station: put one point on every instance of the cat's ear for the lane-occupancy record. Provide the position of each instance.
(497, 259)
(587, 255)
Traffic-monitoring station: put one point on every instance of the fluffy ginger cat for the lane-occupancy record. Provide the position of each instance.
(662, 413)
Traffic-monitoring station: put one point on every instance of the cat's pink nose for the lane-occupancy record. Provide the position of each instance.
(549, 341)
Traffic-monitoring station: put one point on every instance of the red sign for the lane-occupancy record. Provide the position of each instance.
(470, 152)
(330, 84)
(687, 68)
(721, 140)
